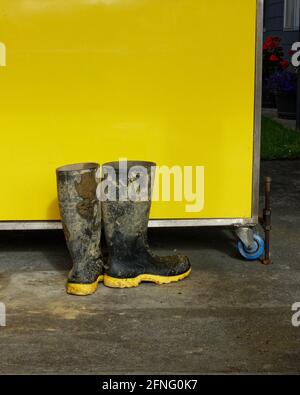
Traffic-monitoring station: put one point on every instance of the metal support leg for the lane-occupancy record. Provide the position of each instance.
(267, 221)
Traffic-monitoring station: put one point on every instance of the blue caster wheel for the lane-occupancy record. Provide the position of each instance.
(255, 252)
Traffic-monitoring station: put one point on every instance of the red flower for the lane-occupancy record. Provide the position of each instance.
(268, 43)
(274, 58)
(291, 52)
(276, 42)
(284, 64)
(271, 43)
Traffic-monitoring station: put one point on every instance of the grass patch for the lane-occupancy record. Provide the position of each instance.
(278, 142)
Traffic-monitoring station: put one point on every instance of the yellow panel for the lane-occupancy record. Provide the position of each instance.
(170, 81)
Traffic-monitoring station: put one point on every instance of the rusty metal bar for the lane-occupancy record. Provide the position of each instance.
(267, 221)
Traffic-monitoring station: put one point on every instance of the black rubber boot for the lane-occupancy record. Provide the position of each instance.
(125, 225)
(80, 208)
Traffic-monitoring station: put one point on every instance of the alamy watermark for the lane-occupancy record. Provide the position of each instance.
(2, 314)
(296, 315)
(141, 181)
(296, 55)
(2, 55)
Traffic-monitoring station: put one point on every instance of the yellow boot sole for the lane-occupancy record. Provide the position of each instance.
(113, 282)
(83, 289)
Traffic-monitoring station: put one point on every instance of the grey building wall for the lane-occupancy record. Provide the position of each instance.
(274, 23)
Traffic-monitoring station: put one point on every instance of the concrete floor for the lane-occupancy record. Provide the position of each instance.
(230, 316)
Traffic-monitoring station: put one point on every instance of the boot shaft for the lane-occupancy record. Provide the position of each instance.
(78, 189)
(127, 181)
(126, 202)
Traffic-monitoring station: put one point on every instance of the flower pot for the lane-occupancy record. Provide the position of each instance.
(268, 96)
(286, 104)
(268, 99)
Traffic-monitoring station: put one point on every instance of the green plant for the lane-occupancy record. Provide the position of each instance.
(279, 142)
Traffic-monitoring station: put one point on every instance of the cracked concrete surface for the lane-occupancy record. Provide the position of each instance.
(230, 316)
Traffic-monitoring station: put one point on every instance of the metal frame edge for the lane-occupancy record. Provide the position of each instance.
(257, 109)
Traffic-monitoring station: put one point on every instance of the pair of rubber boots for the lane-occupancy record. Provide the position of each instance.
(86, 201)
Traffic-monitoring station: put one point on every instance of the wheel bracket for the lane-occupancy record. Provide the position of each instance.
(246, 235)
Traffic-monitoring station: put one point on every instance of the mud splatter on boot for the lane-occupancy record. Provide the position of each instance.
(80, 208)
(125, 225)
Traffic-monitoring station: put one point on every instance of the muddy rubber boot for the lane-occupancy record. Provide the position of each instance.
(125, 226)
(80, 209)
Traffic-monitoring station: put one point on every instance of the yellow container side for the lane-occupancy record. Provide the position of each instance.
(171, 81)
